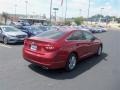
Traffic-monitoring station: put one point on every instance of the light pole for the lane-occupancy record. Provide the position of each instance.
(80, 12)
(55, 9)
(89, 8)
(50, 11)
(66, 11)
(26, 2)
(101, 15)
(101, 10)
(15, 10)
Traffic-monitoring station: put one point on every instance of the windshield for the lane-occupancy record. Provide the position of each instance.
(51, 34)
(10, 29)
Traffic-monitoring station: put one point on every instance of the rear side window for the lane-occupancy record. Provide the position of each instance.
(76, 36)
(51, 34)
(88, 36)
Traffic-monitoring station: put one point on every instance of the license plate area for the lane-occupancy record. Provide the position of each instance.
(33, 47)
(21, 38)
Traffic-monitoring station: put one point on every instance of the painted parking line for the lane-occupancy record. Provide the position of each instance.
(6, 46)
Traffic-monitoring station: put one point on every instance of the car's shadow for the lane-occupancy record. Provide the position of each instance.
(16, 44)
(61, 74)
(13, 44)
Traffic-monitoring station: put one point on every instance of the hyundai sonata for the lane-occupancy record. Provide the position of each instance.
(61, 48)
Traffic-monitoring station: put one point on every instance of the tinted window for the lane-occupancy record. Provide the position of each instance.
(43, 28)
(88, 36)
(51, 34)
(32, 29)
(76, 36)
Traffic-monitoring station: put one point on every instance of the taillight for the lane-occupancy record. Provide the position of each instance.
(49, 47)
(26, 43)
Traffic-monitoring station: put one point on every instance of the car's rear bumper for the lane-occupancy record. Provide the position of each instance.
(49, 62)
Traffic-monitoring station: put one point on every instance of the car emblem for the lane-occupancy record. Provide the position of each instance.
(33, 43)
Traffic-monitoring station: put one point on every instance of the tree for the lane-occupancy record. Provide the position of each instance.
(68, 22)
(79, 20)
(118, 20)
(96, 17)
(104, 18)
(5, 16)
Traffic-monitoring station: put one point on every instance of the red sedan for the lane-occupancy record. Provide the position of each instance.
(61, 48)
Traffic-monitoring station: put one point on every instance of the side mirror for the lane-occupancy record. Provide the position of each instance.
(93, 38)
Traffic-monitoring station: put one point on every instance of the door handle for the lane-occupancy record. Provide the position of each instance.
(89, 44)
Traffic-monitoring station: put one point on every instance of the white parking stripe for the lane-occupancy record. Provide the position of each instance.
(6, 46)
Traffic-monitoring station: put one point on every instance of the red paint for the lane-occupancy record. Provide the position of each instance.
(53, 53)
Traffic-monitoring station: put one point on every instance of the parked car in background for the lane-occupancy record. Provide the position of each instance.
(24, 23)
(37, 24)
(10, 34)
(98, 29)
(83, 28)
(103, 28)
(46, 28)
(61, 48)
(31, 31)
(16, 24)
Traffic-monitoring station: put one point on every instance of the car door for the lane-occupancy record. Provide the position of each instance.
(76, 43)
(92, 44)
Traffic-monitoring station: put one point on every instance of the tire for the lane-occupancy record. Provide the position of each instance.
(99, 51)
(5, 40)
(71, 62)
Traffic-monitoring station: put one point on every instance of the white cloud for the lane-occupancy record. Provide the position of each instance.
(108, 10)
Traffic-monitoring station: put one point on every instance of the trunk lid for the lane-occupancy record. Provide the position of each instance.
(40, 45)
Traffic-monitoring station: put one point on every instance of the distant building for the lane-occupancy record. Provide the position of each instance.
(35, 20)
(30, 18)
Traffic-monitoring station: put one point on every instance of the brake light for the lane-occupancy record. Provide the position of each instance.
(25, 41)
(49, 47)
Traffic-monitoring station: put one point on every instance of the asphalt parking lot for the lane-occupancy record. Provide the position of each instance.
(94, 73)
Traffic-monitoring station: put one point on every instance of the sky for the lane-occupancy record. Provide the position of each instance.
(75, 7)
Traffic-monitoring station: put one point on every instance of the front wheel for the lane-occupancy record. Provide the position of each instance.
(71, 63)
(5, 40)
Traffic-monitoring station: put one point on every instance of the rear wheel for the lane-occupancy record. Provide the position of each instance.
(71, 63)
(5, 40)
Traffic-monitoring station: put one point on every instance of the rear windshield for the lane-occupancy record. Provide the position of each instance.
(51, 34)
